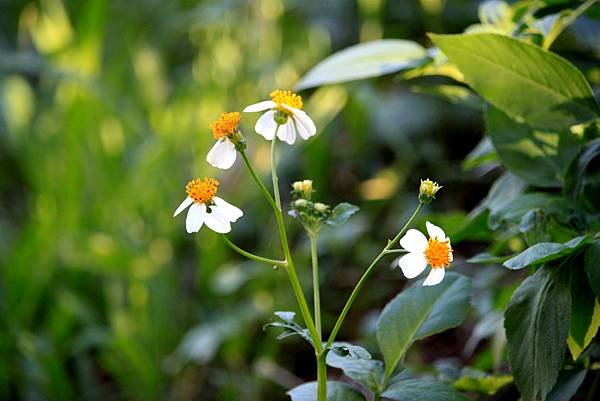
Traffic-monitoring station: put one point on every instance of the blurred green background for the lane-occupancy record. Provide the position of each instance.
(104, 114)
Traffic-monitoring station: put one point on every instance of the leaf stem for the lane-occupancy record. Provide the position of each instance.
(365, 276)
(249, 255)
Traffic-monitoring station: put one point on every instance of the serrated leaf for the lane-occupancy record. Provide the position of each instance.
(341, 213)
(514, 76)
(422, 390)
(536, 324)
(336, 391)
(544, 252)
(365, 60)
(418, 312)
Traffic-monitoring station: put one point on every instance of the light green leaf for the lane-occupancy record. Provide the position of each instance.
(585, 312)
(336, 391)
(536, 324)
(544, 252)
(541, 158)
(454, 94)
(341, 213)
(418, 312)
(368, 372)
(482, 383)
(523, 80)
(591, 262)
(481, 154)
(422, 390)
(365, 60)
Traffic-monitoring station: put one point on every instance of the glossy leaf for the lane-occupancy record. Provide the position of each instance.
(365, 60)
(341, 213)
(544, 252)
(418, 312)
(537, 323)
(515, 76)
(541, 158)
(336, 391)
(422, 390)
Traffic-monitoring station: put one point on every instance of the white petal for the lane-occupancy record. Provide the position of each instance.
(435, 277)
(260, 106)
(195, 217)
(305, 125)
(414, 241)
(435, 232)
(266, 125)
(287, 133)
(216, 221)
(412, 264)
(186, 202)
(231, 212)
(222, 155)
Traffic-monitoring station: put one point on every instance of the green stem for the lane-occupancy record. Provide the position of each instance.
(559, 26)
(252, 256)
(315, 276)
(273, 170)
(365, 276)
(259, 182)
(321, 377)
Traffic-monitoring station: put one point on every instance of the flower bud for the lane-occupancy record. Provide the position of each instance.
(321, 207)
(280, 117)
(303, 189)
(427, 191)
(300, 203)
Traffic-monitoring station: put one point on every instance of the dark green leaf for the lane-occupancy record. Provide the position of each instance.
(510, 214)
(515, 76)
(418, 312)
(365, 60)
(422, 390)
(368, 372)
(583, 304)
(504, 190)
(341, 213)
(487, 258)
(592, 266)
(537, 323)
(567, 384)
(583, 178)
(544, 252)
(541, 158)
(336, 391)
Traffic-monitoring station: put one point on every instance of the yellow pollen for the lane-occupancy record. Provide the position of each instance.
(438, 253)
(225, 125)
(202, 191)
(287, 98)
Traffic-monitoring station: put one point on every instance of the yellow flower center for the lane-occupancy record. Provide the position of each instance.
(226, 124)
(438, 253)
(287, 98)
(202, 191)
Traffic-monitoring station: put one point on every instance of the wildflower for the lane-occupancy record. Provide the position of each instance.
(222, 155)
(436, 252)
(284, 116)
(207, 208)
(303, 188)
(427, 191)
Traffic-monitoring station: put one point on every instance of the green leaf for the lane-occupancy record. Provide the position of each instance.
(583, 178)
(336, 391)
(422, 390)
(454, 94)
(511, 213)
(541, 158)
(481, 154)
(487, 258)
(341, 213)
(591, 263)
(585, 310)
(482, 383)
(503, 191)
(418, 312)
(368, 372)
(365, 60)
(544, 252)
(567, 384)
(536, 324)
(523, 80)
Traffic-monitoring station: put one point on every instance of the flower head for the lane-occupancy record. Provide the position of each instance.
(206, 207)
(284, 117)
(427, 191)
(435, 251)
(229, 140)
(302, 189)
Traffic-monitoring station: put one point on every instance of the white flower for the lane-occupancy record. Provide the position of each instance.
(223, 154)
(206, 208)
(285, 111)
(436, 252)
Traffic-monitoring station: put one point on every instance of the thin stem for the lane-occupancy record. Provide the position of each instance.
(273, 170)
(258, 181)
(252, 256)
(559, 26)
(365, 276)
(321, 377)
(315, 276)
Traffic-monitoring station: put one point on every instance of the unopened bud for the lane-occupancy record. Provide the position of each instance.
(321, 207)
(300, 203)
(427, 191)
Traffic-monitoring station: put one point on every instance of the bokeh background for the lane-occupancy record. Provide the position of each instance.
(104, 115)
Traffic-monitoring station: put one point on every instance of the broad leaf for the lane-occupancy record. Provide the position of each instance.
(365, 60)
(368, 372)
(583, 178)
(591, 264)
(482, 154)
(336, 391)
(544, 252)
(510, 214)
(504, 190)
(523, 80)
(481, 382)
(487, 258)
(541, 158)
(418, 312)
(585, 311)
(422, 390)
(341, 213)
(567, 384)
(537, 323)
